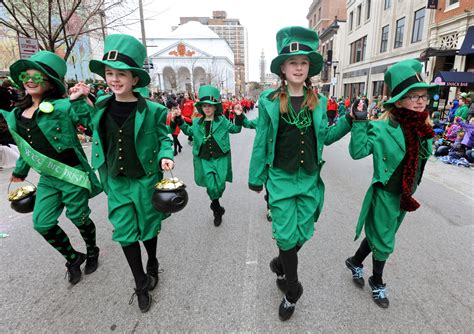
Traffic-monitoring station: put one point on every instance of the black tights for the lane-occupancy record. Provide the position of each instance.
(134, 258)
(288, 261)
(359, 257)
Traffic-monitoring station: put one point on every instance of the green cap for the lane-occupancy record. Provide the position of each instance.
(294, 41)
(123, 52)
(210, 95)
(48, 63)
(404, 76)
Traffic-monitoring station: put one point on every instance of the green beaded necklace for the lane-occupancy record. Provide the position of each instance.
(209, 135)
(301, 119)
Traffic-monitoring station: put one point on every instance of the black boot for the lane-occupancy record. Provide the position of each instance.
(92, 262)
(357, 272)
(275, 267)
(218, 211)
(288, 303)
(143, 296)
(74, 269)
(152, 270)
(379, 294)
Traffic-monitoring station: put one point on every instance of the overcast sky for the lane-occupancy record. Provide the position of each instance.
(261, 18)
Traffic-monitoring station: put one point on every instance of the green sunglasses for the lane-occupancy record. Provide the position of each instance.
(37, 78)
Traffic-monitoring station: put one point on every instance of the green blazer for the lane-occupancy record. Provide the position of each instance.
(151, 135)
(383, 139)
(221, 128)
(263, 153)
(60, 128)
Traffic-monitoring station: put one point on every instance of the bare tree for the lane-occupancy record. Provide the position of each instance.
(55, 23)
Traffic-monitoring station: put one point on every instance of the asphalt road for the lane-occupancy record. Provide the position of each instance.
(218, 279)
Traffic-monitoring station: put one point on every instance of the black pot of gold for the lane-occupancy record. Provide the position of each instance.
(170, 195)
(22, 199)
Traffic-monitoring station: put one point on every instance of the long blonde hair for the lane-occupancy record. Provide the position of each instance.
(310, 101)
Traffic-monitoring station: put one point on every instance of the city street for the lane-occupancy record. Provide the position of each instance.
(218, 279)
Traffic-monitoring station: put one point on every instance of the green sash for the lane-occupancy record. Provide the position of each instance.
(47, 166)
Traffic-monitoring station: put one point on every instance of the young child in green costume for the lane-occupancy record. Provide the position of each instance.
(287, 152)
(44, 128)
(211, 147)
(400, 145)
(130, 150)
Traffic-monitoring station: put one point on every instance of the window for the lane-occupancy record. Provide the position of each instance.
(399, 33)
(384, 40)
(377, 88)
(358, 50)
(452, 2)
(367, 10)
(351, 20)
(418, 25)
(387, 4)
(359, 14)
(319, 13)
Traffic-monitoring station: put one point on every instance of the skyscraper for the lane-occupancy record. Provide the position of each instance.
(262, 67)
(236, 35)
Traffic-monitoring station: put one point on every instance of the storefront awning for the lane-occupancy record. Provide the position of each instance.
(454, 79)
(467, 47)
(437, 52)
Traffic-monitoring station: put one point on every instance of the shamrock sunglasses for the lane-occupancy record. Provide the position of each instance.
(37, 78)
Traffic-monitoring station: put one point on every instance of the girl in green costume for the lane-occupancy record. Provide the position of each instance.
(130, 150)
(400, 145)
(211, 148)
(44, 127)
(287, 152)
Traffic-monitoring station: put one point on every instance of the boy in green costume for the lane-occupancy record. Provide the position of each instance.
(211, 145)
(400, 144)
(130, 150)
(43, 125)
(287, 152)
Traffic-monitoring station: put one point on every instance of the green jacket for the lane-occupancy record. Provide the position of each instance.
(60, 128)
(221, 128)
(462, 112)
(151, 135)
(263, 153)
(383, 139)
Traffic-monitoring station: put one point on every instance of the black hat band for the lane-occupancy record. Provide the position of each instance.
(114, 55)
(48, 69)
(295, 47)
(208, 98)
(406, 83)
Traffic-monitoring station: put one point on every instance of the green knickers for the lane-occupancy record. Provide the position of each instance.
(130, 209)
(293, 200)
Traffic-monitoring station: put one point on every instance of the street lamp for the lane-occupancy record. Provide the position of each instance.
(334, 79)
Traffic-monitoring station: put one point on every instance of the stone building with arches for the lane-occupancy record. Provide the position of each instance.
(189, 57)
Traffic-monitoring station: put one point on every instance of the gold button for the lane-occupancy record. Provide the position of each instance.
(302, 151)
(384, 158)
(386, 170)
(58, 129)
(121, 168)
(302, 142)
(120, 131)
(28, 129)
(149, 173)
(302, 161)
(120, 149)
(59, 148)
(96, 142)
(271, 140)
(29, 136)
(151, 161)
(31, 142)
(120, 140)
(154, 151)
(55, 138)
(302, 133)
(120, 158)
(97, 154)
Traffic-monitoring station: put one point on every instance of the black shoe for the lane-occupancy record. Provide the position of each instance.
(379, 293)
(74, 269)
(280, 280)
(180, 149)
(269, 215)
(175, 153)
(357, 273)
(218, 213)
(287, 308)
(144, 298)
(152, 271)
(92, 262)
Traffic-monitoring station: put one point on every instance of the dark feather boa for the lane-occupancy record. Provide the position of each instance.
(414, 127)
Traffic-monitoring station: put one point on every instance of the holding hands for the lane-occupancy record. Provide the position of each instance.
(238, 109)
(78, 90)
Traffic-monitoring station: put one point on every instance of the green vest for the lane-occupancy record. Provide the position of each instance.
(121, 155)
(209, 148)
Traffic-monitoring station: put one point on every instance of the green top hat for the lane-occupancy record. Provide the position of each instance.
(294, 41)
(123, 52)
(404, 76)
(210, 95)
(47, 62)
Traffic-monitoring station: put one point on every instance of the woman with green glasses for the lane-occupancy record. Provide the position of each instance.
(43, 126)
